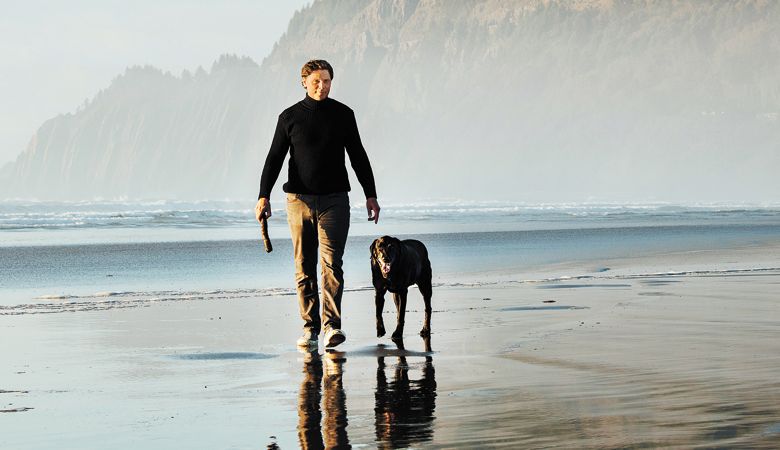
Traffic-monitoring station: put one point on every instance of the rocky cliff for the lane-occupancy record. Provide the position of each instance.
(532, 100)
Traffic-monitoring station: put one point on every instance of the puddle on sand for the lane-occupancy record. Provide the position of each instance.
(542, 308)
(658, 282)
(222, 356)
(578, 286)
(15, 410)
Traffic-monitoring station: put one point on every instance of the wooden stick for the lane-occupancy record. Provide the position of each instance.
(266, 240)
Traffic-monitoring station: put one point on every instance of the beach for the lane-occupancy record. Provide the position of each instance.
(665, 349)
(583, 189)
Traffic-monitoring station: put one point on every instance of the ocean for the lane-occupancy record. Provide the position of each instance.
(73, 256)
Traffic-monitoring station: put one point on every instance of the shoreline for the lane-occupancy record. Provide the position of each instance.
(661, 360)
(722, 261)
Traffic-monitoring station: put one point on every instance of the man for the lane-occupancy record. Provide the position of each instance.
(317, 131)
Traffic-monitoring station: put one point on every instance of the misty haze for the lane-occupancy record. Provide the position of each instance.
(527, 101)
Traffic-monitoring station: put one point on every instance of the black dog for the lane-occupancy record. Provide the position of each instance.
(396, 265)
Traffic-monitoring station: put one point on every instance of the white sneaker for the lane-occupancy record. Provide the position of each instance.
(334, 337)
(307, 340)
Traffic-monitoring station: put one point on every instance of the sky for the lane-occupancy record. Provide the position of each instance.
(56, 54)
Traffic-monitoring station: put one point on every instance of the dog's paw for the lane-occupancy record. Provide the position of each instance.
(380, 331)
(397, 335)
(425, 332)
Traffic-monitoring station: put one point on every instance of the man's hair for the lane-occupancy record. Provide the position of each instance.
(316, 64)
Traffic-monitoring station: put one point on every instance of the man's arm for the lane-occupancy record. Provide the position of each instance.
(273, 165)
(362, 167)
(275, 159)
(358, 158)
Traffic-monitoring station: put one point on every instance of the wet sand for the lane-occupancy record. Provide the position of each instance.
(676, 350)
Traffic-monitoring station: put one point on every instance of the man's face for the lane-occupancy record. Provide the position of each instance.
(317, 84)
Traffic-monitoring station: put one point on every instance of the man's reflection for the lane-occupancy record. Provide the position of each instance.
(310, 433)
(405, 408)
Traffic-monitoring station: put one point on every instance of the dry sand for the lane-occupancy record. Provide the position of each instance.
(611, 360)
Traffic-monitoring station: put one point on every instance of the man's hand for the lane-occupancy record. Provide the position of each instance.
(373, 209)
(262, 209)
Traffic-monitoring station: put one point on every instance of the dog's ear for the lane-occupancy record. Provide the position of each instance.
(372, 249)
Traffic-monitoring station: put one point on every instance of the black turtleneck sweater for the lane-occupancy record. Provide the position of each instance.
(316, 133)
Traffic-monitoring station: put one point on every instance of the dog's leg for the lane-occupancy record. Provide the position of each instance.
(379, 299)
(400, 306)
(427, 291)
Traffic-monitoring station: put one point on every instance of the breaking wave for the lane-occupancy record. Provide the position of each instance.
(49, 304)
(21, 216)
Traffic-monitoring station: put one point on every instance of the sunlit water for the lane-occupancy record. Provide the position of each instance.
(76, 255)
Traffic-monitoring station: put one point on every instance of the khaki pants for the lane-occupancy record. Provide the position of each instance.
(319, 221)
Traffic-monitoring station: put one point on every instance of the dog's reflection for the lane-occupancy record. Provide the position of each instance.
(404, 408)
(318, 371)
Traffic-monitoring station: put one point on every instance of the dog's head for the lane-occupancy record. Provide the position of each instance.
(384, 252)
